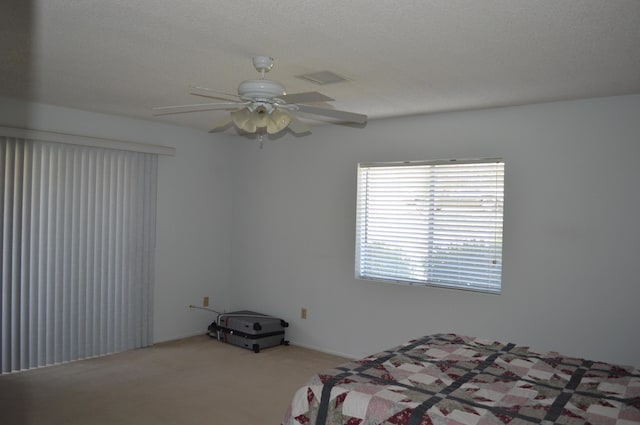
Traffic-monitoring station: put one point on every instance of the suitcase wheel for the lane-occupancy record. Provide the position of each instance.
(256, 348)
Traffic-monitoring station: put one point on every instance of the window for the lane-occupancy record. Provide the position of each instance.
(436, 223)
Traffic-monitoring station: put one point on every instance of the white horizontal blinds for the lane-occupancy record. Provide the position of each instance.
(436, 223)
(78, 228)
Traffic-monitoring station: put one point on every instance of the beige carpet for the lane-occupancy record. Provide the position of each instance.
(195, 380)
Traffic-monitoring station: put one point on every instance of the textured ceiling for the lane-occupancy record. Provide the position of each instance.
(399, 57)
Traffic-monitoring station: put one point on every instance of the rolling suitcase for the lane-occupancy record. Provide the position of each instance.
(249, 329)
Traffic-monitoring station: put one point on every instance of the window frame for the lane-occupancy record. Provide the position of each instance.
(497, 225)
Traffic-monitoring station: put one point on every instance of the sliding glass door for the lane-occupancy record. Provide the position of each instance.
(77, 226)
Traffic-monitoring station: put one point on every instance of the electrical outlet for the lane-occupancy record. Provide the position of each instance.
(205, 302)
(303, 313)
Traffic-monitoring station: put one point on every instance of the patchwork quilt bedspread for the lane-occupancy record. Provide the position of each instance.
(451, 379)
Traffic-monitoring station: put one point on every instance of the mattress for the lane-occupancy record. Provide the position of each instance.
(454, 379)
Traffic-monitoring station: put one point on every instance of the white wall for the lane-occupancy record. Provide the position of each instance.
(273, 229)
(194, 207)
(572, 205)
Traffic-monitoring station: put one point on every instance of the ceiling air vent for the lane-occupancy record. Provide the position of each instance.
(322, 77)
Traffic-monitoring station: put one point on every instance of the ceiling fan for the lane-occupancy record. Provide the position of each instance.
(262, 106)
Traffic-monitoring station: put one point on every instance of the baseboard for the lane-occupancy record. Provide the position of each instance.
(297, 344)
(176, 337)
(323, 350)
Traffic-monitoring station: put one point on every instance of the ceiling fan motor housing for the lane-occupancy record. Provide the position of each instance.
(260, 89)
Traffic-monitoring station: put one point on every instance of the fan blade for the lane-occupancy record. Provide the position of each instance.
(182, 109)
(298, 127)
(334, 113)
(221, 124)
(214, 94)
(306, 97)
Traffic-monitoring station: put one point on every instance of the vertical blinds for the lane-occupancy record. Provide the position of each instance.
(78, 233)
(431, 223)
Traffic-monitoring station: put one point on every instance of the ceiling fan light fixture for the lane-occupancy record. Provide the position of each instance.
(242, 119)
(278, 121)
(260, 118)
(251, 121)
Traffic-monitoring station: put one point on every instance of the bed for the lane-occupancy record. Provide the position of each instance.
(452, 379)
